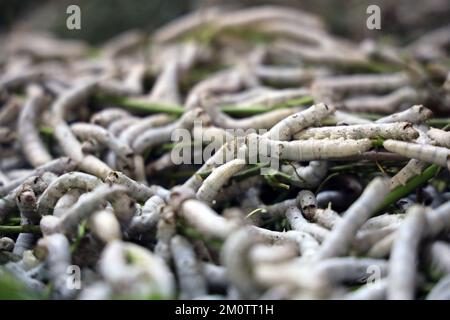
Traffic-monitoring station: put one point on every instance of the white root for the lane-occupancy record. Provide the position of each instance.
(397, 130)
(341, 237)
(189, 273)
(218, 178)
(404, 255)
(426, 153)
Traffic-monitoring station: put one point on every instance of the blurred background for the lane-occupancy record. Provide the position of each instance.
(102, 20)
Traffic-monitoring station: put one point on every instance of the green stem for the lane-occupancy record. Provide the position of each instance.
(20, 229)
(409, 187)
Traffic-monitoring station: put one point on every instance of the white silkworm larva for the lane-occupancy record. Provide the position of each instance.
(8, 202)
(439, 256)
(440, 137)
(67, 141)
(306, 150)
(6, 244)
(299, 121)
(165, 89)
(287, 75)
(189, 274)
(137, 190)
(404, 256)
(411, 169)
(364, 83)
(166, 230)
(149, 217)
(299, 223)
(321, 276)
(426, 153)
(235, 257)
(146, 275)
(66, 201)
(200, 216)
(57, 166)
(63, 184)
(308, 176)
(133, 131)
(441, 291)
(32, 146)
(218, 178)
(370, 291)
(261, 121)
(262, 253)
(342, 117)
(439, 220)
(365, 239)
(119, 125)
(26, 202)
(307, 244)
(56, 249)
(86, 205)
(215, 275)
(307, 202)
(326, 218)
(88, 131)
(105, 117)
(155, 136)
(397, 130)
(104, 225)
(10, 111)
(416, 114)
(342, 236)
(381, 221)
(273, 97)
(382, 248)
(386, 104)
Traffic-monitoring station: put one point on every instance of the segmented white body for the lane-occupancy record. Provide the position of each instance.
(397, 130)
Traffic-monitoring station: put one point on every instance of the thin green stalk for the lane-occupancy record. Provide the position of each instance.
(409, 187)
(20, 229)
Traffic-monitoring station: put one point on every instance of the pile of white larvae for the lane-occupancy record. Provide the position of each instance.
(81, 216)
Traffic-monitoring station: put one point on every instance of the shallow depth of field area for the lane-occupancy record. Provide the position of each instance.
(225, 150)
